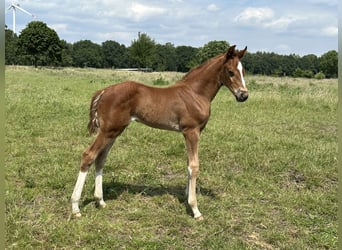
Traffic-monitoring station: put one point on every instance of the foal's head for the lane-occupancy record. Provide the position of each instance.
(233, 74)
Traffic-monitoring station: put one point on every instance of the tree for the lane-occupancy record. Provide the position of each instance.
(290, 64)
(211, 49)
(328, 63)
(39, 44)
(270, 63)
(184, 56)
(114, 55)
(142, 50)
(310, 62)
(87, 54)
(10, 47)
(165, 59)
(257, 63)
(66, 54)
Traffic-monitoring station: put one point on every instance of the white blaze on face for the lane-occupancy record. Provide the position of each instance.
(239, 67)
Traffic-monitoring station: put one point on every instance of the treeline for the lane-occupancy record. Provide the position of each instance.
(40, 45)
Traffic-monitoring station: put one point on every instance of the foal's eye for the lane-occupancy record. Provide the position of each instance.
(230, 73)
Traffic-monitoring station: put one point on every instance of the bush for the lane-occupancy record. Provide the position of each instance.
(320, 75)
(161, 82)
(298, 72)
(308, 74)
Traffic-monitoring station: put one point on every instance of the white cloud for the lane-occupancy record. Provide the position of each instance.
(252, 15)
(212, 7)
(265, 18)
(59, 27)
(281, 23)
(283, 47)
(139, 11)
(324, 2)
(31, 6)
(330, 31)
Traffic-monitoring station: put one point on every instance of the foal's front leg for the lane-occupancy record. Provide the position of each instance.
(191, 140)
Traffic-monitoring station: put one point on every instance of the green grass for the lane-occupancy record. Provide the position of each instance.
(268, 168)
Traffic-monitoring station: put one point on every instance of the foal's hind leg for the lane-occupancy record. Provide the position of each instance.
(99, 163)
(88, 157)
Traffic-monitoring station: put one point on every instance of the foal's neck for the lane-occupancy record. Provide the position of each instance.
(205, 79)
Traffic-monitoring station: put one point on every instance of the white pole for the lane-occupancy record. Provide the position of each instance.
(13, 19)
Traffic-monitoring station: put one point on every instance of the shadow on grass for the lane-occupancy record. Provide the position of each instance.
(112, 190)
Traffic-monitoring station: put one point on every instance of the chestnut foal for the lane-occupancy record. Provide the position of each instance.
(182, 107)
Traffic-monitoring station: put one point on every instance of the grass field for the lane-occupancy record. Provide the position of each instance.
(268, 168)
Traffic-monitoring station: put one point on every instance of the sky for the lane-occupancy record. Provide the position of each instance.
(299, 27)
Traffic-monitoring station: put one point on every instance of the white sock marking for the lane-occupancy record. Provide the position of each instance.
(189, 171)
(76, 195)
(98, 185)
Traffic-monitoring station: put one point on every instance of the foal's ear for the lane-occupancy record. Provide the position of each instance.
(241, 53)
(230, 53)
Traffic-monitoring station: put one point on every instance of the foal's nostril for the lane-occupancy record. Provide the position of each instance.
(243, 96)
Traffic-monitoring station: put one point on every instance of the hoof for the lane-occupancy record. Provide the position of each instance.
(199, 218)
(101, 204)
(78, 215)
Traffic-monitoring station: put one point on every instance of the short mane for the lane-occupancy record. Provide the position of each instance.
(201, 66)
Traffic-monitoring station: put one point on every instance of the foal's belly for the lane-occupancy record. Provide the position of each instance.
(167, 124)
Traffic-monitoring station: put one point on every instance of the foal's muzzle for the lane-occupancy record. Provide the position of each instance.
(241, 95)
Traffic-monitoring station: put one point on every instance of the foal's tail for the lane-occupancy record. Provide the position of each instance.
(94, 123)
